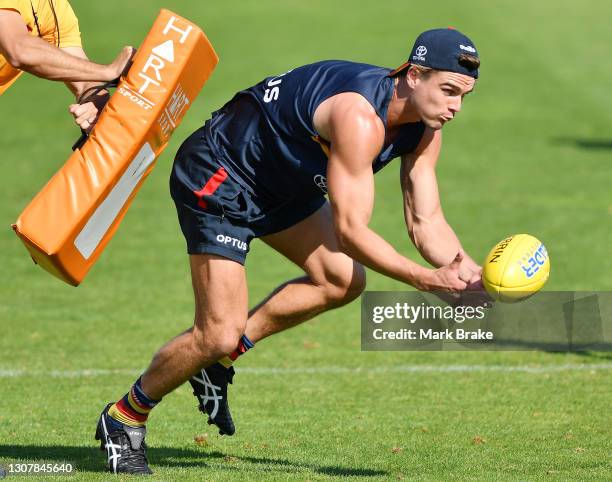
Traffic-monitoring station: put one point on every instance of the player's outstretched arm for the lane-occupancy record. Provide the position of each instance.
(356, 135)
(427, 226)
(34, 55)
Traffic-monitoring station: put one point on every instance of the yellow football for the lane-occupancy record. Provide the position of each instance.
(516, 268)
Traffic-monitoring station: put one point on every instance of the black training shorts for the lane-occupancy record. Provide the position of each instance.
(217, 214)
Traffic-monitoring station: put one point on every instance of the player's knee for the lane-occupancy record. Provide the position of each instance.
(228, 342)
(344, 286)
(217, 342)
(201, 343)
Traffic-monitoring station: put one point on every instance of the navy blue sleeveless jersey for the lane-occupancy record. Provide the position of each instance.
(265, 136)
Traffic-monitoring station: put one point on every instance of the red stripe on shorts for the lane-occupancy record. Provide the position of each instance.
(211, 186)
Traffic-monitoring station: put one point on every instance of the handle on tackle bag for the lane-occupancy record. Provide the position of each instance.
(91, 92)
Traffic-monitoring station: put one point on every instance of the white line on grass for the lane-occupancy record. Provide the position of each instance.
(428, 369)
(95, 372)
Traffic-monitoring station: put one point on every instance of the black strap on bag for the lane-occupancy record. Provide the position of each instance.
(91, 92)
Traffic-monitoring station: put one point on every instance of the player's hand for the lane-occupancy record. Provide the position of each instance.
(469, 271)
(86, 114)
(122, 62)
(475, 293)
(446, 278)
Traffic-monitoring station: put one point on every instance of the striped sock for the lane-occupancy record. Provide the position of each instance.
(244, 345)
(133, 409)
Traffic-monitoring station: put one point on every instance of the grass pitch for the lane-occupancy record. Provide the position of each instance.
(526, 154)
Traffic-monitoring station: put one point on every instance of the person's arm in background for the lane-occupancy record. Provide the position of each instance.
(90, 102)
(37, 57)
(68, 64)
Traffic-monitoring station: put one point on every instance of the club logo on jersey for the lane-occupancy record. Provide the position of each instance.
(420, 53)
(321, 182)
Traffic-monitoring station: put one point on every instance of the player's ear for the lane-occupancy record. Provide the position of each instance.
(411, 77)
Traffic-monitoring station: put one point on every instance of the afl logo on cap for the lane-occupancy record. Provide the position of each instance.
(420, 53)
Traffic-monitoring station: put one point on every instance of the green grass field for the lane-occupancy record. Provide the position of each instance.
(530, 152)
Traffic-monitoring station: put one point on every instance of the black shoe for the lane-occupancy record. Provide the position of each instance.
(210, 388)
(125, 446)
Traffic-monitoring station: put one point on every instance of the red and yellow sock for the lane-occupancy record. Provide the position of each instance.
(133, 409)
(244, 345)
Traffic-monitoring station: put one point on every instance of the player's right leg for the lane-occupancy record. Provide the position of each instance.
(212, 212)
(220, 292)
(202, 199)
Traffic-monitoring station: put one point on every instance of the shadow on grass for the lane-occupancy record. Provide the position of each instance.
(591, 144)
(90, 459)
(595, 349)
(600, 355)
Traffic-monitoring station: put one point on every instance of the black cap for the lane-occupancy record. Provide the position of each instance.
(440, 49)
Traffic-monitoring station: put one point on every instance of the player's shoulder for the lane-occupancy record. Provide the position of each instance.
(349, 117)
(350, 109)
(352, 104)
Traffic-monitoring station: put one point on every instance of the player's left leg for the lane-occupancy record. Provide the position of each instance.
(332, 280)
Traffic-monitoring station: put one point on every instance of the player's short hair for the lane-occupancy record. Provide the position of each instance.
(470, 62)
(422, 70)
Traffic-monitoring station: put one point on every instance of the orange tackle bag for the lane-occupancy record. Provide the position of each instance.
(69, 222)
